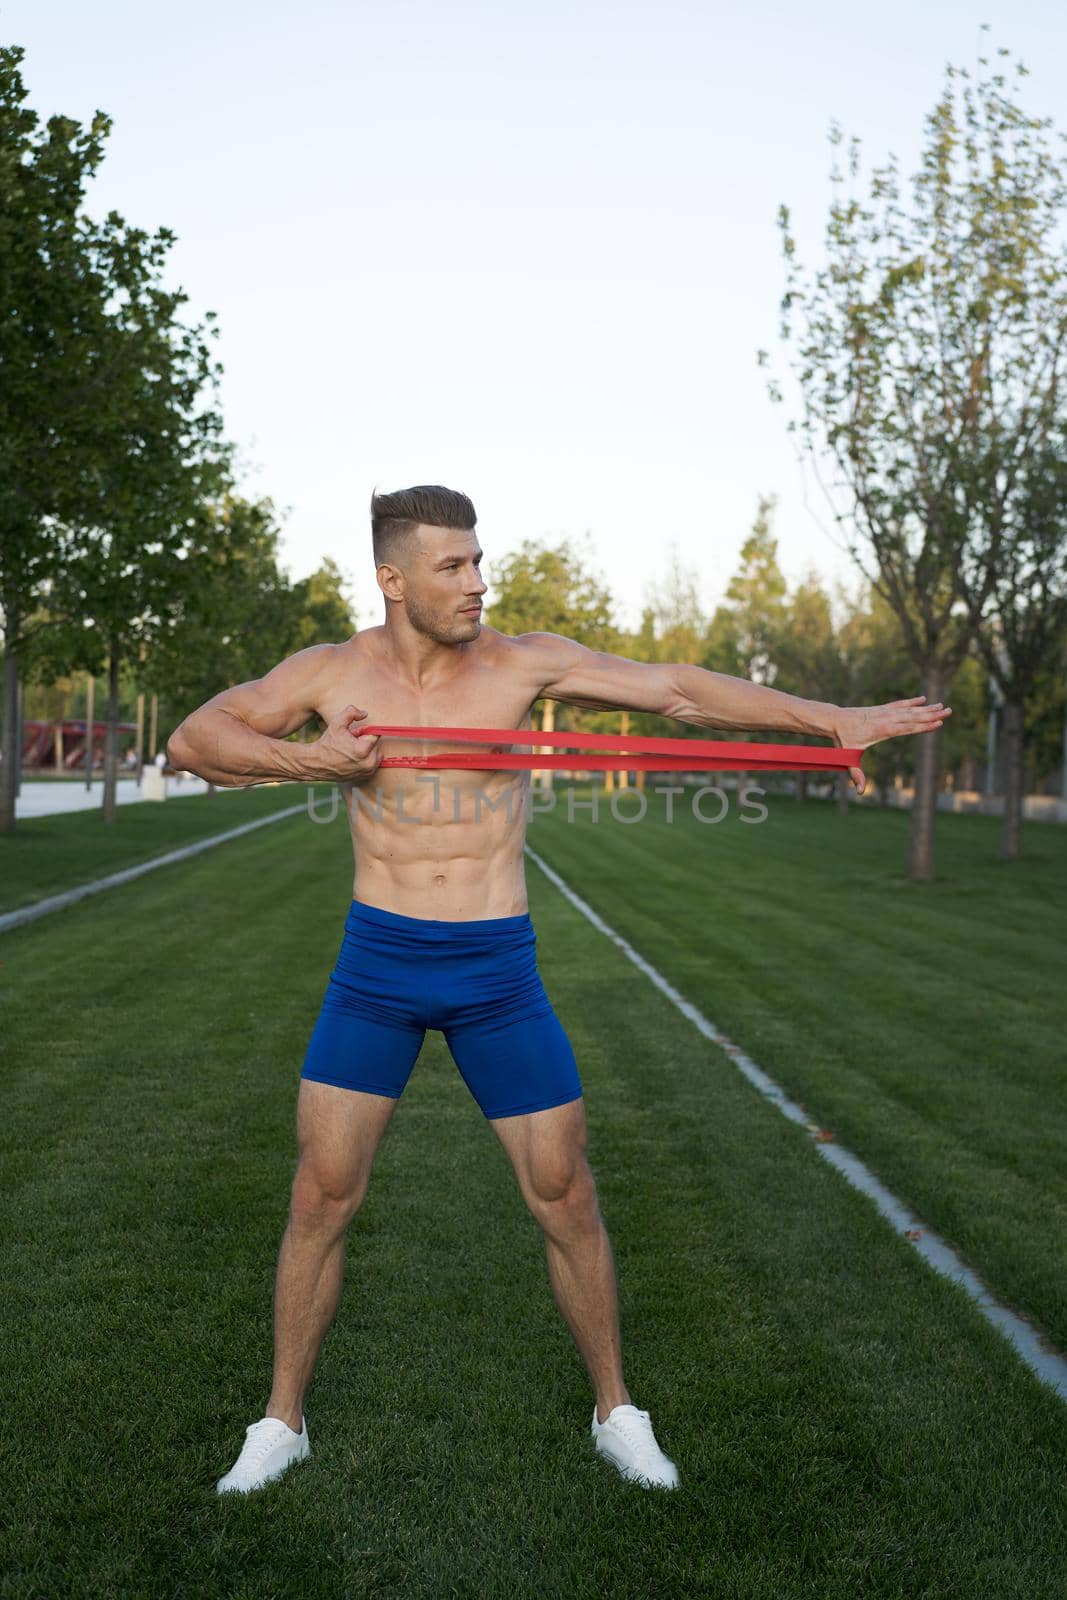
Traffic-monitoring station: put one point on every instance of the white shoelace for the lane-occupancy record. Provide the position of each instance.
(258, 1440)
(637, 1431)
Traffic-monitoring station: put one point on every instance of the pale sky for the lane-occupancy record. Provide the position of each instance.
(525, 250)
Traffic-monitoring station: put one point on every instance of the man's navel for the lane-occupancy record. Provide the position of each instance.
(439, 880)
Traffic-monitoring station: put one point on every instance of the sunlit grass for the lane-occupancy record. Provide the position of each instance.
(845, 1422)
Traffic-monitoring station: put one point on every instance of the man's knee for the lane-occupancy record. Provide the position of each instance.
(323, 1199)
(561, 1192)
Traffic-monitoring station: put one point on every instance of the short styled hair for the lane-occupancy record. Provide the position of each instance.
(394, 517)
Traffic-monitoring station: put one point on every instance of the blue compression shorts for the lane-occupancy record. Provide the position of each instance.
(475, 981)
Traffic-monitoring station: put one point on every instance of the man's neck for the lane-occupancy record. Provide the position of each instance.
(419, 662)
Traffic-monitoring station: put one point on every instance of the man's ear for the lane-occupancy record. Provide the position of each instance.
(390, 581)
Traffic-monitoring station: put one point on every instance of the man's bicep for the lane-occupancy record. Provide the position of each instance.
(284, 700)
(595, 678)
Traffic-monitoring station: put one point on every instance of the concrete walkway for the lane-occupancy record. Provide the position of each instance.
(44, 798)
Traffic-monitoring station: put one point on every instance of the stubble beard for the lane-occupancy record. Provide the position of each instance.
(452, 629)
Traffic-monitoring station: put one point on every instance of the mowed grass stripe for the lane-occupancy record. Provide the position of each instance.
(845, 1421)
(117, 880)
(46, 855)
(1050, 1365)
(956, 1099)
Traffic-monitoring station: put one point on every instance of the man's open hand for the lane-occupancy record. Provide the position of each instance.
(343, 754)
(858, 727)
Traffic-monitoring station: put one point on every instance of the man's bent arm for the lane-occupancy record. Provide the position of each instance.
(239, 737)
(216, 745)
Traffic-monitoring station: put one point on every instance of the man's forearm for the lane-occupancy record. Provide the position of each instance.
(716, 700)
(222, 749)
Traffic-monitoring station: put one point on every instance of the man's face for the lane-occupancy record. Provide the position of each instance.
(443, 585)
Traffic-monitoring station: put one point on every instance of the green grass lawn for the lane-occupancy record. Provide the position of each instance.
(845, 1421)
(923, 1024)
(46, 855)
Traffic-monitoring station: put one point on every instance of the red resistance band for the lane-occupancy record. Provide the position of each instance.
(630, 752)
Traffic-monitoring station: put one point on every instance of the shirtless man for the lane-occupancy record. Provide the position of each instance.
(438, 934)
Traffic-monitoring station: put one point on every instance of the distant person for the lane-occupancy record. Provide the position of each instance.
(438, 934)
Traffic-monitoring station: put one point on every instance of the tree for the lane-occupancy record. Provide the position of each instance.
(674, 622)
(238, 613)
(55, 377)
(929, 364)
(1025, 636)
(878, 667)
(967, 730)
(1046, 718)
(162, 455)
(744, 630)
(806, 652)
(105, 445)
(756, 597)
(323, 609)
(543, 588)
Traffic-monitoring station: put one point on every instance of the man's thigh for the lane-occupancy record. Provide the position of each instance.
(338, 1132)
(547, 1150)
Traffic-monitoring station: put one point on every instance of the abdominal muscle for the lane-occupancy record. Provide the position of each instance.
(443, 844)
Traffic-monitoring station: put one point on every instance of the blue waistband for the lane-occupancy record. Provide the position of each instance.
(433, 927)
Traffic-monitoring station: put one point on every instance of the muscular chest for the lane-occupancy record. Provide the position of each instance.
(487, 695)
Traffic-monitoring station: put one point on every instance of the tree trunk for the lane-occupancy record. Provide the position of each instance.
(90, 730)
(139, 770)
(1014, 779)
(989, 783)
(801, 788)
(20, 735)
(111, 737)
(9, 757)
(927, 772)
(542, 777)
(969, 773)
(842, 794)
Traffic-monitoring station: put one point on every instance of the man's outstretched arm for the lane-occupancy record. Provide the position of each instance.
(570, 671)
(239, 737)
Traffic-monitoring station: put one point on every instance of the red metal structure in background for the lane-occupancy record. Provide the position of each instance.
(61, 746)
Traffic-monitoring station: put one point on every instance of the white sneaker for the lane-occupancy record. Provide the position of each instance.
(270, 1446)
(625, 1437)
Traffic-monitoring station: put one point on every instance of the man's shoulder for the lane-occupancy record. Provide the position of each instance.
(361, 642)
(537, 645)
(320, 664)
(359, 648)
(538, 653)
